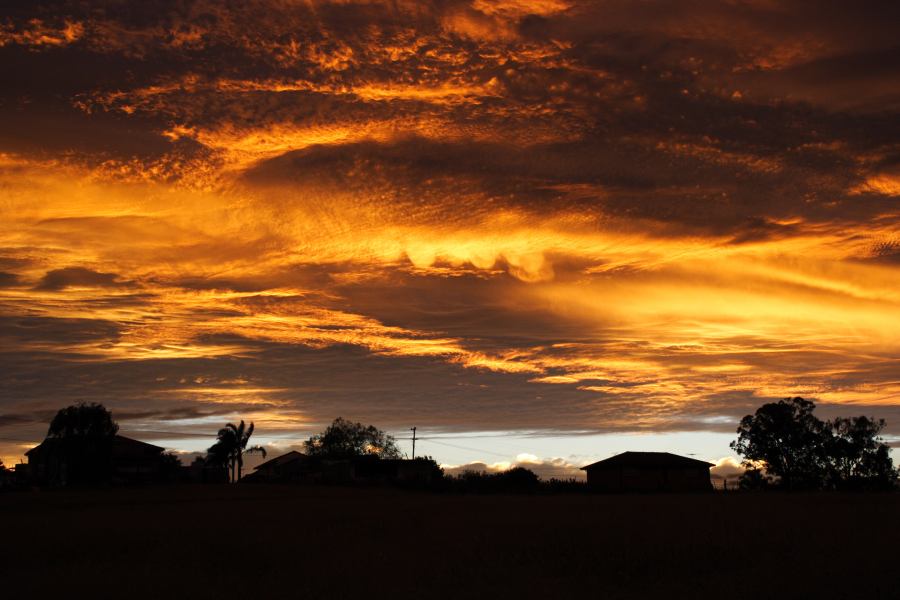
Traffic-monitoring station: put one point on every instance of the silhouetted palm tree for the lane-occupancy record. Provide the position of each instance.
(231, 446)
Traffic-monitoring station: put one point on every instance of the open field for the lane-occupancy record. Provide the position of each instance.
(321, 542)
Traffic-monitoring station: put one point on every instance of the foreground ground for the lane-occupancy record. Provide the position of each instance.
(319, 542)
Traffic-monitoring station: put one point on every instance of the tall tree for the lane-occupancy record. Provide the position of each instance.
(345, 439)
(785, 440)
(789, 440)
(84, 434)
(860, 458)
(231, 446)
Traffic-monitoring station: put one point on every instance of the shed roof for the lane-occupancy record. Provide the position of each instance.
(648, 460)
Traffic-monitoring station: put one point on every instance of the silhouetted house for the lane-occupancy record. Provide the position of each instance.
(649, 472)
(130, 461)
(293, 467)
(296, 467)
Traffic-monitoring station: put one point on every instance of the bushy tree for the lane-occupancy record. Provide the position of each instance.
(345, 439)
(784, 444)
(170, 465)
(437, 472)
(84, 434)
(515, 480)
(83, 421)
(860, 458)
(789, 439)
(518, 478)
(6, 477)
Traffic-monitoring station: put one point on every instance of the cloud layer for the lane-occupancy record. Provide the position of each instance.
(558, 215)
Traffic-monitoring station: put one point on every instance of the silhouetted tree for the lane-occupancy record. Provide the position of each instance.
(789, 440)
(169, 466)
(860, 458)
(518, 478)
(345, 439)
(231, 446)
(569, 485)
(6, 477)
(83, 421)
(754, 480)
(785, 440)
(436, 471)
(85, 434)
(219, 456)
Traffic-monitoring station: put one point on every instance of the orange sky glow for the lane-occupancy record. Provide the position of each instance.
(553, 217)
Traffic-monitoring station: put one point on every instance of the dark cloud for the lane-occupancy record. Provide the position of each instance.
(8, 279)
(14, 420)
(59, 279)
(37, 329)
(887, 252)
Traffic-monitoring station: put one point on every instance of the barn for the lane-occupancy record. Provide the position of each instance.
(649, 472)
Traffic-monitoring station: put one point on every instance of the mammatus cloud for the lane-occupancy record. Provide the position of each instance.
(474, 215)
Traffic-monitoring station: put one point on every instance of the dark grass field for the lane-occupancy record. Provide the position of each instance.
(320, 542)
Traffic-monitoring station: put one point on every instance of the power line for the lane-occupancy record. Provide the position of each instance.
(469, 448)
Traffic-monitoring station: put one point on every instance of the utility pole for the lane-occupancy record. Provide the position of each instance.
(413, 429)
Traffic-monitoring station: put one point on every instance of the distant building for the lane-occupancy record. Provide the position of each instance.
(649, 472)
(296, 467)
(130, 461)
(293, 467)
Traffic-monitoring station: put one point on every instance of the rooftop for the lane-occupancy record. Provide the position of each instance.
(120, 442)
(282, 459)
(648, 460)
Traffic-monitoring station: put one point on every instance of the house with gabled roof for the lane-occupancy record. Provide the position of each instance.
(649, 472)
(127, 461)
(294, 467)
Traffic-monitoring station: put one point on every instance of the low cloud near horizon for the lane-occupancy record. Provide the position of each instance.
(727, 468)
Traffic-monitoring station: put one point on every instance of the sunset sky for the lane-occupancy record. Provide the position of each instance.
(540, 231)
